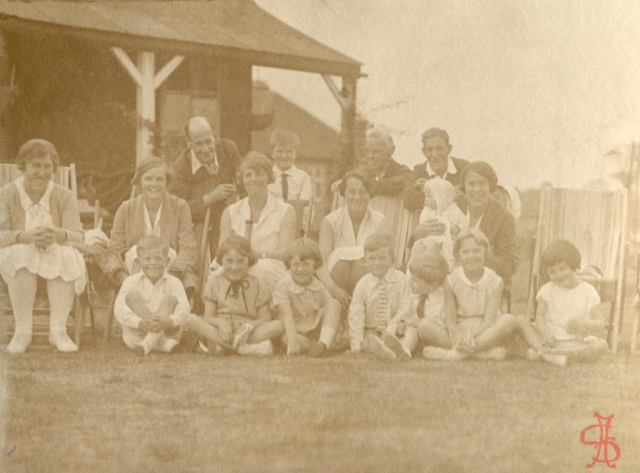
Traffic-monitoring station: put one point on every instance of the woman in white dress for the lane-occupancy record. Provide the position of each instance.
(38, 222)
(342, 236)
(269, 224)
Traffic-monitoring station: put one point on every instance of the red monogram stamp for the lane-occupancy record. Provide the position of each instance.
(602, 443)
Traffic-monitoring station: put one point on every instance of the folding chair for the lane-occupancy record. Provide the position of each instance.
(636, 312)
(595, 222)
(66, 177)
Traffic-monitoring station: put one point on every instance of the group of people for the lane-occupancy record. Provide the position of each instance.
(271, 287)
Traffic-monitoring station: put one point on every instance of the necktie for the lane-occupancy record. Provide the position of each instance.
(248, 229)
(383, 303)
(285, 186)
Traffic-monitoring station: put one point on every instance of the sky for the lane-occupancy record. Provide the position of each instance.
(539, 89)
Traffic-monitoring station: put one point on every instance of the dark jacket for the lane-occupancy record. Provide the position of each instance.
(192, 188)
(393, 180)
(414, 198)
(499, 226)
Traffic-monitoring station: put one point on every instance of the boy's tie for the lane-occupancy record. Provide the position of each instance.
(285, 186)
(383, 303)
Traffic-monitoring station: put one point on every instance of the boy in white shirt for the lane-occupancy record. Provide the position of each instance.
(151, 305)
(381, 300)
(291, 185)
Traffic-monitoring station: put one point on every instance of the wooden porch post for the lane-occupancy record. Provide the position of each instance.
(346, 98)
(147, 81)
(348, 129)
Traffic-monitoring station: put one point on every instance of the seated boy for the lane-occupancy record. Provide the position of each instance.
(291, 185)
(381, 300)
(151, 304)
(309, 313)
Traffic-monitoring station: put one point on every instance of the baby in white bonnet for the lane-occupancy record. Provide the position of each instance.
(439, 206)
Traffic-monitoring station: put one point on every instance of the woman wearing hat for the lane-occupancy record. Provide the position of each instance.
(155, 212)
(38, 222)
(479, 181)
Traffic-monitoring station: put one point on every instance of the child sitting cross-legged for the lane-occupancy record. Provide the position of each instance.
(381, 301)
(309, 314)
(151, 304)
(566, 316)
(472, 297)
(236, 305)
(426, 279)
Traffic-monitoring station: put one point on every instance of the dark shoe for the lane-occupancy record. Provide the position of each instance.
(317, 349)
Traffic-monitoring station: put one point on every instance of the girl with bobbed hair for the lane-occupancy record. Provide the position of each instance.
(39, 222)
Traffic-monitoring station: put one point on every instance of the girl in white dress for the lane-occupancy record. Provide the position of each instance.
(472, 296)
(567, 314)
(38, 222)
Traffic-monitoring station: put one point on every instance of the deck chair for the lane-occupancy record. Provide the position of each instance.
(401, 219)
(595, 222)
(633, 348)
(66, 177)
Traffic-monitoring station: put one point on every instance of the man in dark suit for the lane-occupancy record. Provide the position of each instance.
(389, 176)
(205, 175)
(436, 148)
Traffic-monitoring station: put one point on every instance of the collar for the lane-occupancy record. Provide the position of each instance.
(451, 169)
(466, 280)
(278, 172)
(245, 210)
(25, 200)
(389, 277)
(297, 289)
(196, 164)
(143, 277)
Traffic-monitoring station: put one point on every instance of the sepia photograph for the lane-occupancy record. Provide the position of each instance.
(319, 235)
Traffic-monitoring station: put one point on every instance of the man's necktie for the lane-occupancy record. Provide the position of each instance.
(285, 186)
(383, 303)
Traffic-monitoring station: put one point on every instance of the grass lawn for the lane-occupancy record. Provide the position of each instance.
(103, 409)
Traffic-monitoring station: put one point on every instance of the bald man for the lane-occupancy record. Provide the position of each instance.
(389, 176)
(204, 175)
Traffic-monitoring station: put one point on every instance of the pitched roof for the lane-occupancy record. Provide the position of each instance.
(228, 28)
(318, 140)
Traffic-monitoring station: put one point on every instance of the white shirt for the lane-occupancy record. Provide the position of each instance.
(265, 232)
(213, 168)
(152, 295)
(298, 180)
(451, 169)
(363, 310)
